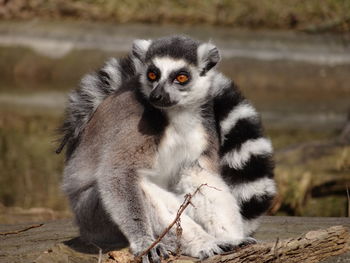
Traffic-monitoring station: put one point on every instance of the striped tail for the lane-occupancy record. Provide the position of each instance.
(93, 89)
(245, 154)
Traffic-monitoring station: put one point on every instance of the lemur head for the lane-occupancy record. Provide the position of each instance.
(176, 70)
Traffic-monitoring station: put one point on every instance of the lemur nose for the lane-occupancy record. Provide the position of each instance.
(156, 97)
(156, 94)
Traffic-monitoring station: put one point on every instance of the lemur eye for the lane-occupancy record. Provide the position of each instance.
(152, 76)
(182, 78)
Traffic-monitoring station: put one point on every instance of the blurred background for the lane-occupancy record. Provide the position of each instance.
(290, 58)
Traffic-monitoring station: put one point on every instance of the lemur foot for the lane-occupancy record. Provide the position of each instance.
(209, 249)
(202, 249)
(155, 254)
(230, 245)
(247, 241)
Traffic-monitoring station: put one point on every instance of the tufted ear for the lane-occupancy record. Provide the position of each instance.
(140, 47)
(208, 57)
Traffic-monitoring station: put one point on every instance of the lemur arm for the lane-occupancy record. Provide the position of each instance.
(245, 154)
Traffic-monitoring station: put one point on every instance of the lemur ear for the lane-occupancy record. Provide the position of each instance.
(208, 57)
(140, 47)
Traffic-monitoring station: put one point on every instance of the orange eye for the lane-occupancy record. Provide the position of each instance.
(151, 75)
(182, 78)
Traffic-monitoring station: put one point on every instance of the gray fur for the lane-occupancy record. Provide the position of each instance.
(208, 56)
(176, 47)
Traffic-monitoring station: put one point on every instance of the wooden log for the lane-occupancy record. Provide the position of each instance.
(311, 247)
(58, 241)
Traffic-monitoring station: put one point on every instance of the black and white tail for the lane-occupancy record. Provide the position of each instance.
(245, 154)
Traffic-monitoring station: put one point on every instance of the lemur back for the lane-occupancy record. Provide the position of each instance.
(145, 130)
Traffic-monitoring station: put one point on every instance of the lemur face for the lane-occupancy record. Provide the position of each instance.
(176, 70)
(169, 82)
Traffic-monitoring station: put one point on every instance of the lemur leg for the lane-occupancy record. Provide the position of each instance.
(195, 241)
(94, 223)
(123, 198)
(214, 207)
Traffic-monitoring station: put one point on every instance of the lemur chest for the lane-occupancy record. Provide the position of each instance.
(183, 142)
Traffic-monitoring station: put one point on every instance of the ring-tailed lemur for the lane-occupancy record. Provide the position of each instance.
(149, 128)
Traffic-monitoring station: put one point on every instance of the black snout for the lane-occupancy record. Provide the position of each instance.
(160, 98)
(156, 95)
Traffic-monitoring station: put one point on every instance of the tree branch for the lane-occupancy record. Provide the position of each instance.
(311, 247)
(20, 230)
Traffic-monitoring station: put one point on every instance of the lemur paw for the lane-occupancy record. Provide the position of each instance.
(155, 255)
(247, 241)
(203, 250)
(230, 245)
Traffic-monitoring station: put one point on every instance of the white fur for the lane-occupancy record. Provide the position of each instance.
(259, 187)
(142, 44)
(167, 64)
(238, 158)
(242, 111)
(88, 86)
(112, 69)
(195, 241)
(140, 47)
(183, 142)
(199, 90)
(214, 207)
(250, 226)
(219, 83)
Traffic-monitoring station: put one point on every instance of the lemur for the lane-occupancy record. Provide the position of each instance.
(147, 129)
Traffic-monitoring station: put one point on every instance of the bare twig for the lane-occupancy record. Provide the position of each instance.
(178, 235)
(99, 252)
(182, 208)
(99, 255)
(275, 250)
(348, 195)
(20, 230)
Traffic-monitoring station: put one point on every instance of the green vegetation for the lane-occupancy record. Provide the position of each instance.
(285, 137)
(312, 179)
(264, 14)
(30, 171)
